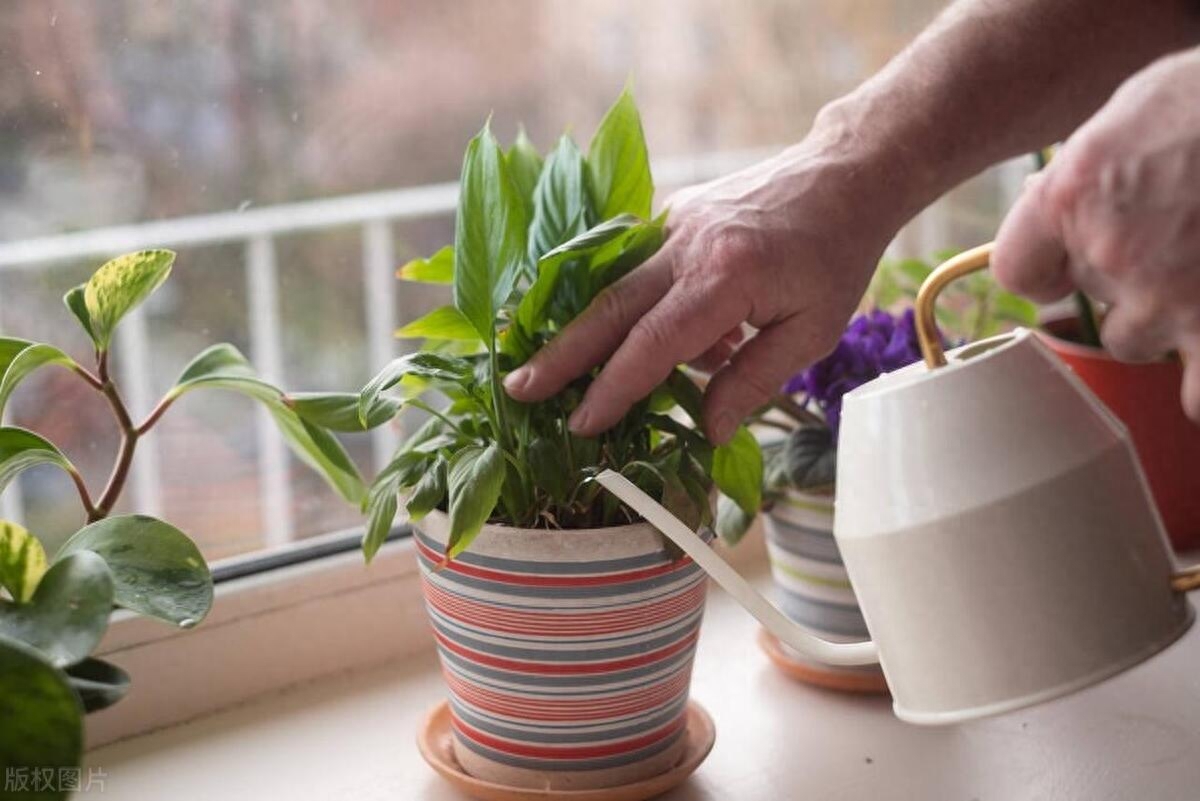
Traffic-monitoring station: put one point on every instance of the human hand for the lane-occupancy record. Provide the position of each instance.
(786, 246)
(1117, 215)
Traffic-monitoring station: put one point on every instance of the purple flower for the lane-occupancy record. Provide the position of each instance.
(874, 343)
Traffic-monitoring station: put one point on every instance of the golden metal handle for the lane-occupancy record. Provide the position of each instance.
(966, 262)
(1186, 580)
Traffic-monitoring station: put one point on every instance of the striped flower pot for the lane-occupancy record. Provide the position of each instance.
(567, 654)
(812, 588)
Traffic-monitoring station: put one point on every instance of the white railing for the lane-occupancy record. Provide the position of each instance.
(373, 213)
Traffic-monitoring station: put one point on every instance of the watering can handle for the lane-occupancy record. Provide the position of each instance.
(970, 261)
(787, 630)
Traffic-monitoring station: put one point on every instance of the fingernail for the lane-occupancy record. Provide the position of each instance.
(579, 420)
(517, 379)
(723, 427)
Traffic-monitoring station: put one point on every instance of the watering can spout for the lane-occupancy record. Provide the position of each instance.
(787, 630)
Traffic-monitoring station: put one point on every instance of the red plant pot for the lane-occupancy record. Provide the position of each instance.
(1146, 398)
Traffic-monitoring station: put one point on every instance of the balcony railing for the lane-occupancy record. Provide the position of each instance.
(373, 214)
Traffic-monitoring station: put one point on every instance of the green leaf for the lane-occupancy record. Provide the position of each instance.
(68, 613)
(548, 465)
(686, 394)
(22, 561)
(810, 458)
(99, 684)
(43, 721)
(437, 269)
(25, 362)
(561, 206)
(1015, 309)
(738, 470)
(618, 257)
(157, 571)
(489, 235)
(423, 364)
(444, 322)
(381, 503)
(119, 286)
(475, 478)
(21, 450)
(77, 305)
(619, 164)
(732, 521)
(338, 411)
(429, 490)
(223, 367)
(532, 310)
(9, 348)
(525, 166)
(915, 270)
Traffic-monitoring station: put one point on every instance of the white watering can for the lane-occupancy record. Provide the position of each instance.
(995, 524)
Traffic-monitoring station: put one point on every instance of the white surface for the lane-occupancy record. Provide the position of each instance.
(1137, 736)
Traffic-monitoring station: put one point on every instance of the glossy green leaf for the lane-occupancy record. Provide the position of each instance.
(616, 258)
(531, 311)
(42, 720)
(157, 570)
(489, 235)
(548, 466)
(738, 470)
(429, 491)
(224, 367)
(437, 269)
(562, 208)
(475, 477)
(22, 561)
(99, 684)
(120, 285)
(619, 164)
(444, 322)
(21, 450)
(434, 366)
(25, 362)
(732, 521)
(381, 501)
(76, 304)
(686, 394)
(525, 166)
(10, 347)
(68, 613)
(338, 411)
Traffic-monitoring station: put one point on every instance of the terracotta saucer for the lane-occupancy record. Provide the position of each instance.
(831, 678)
(434, 740)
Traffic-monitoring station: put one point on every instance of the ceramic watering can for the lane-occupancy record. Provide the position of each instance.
(995, 524)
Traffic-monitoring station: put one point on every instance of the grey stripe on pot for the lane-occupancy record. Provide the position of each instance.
(616, 601)
(689, 619)
(674, 578)
(578, 734)
(828, 617)
(578, 655)
(804, 542)
(599, 566)
(567, 683)
(585, 695)
(601, 763)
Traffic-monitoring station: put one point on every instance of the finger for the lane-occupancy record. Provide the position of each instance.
(715, 357)
(1191, 385)
(1133, 333)
(755, 373)
(591, 337)
(1030, 257)
(684, 324)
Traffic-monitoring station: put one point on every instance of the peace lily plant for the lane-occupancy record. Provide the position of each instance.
(535, 241)
(54, 610)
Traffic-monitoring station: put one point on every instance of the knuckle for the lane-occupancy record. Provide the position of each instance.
(652, 334)
(612, 306)
(733, 249)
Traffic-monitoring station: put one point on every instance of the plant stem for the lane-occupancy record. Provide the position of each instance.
(84, 496)
(155, 414)
(796, 411)
(91, 380)
(129, 439)
(1089, 330)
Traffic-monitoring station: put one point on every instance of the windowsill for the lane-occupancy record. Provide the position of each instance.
(352, 736)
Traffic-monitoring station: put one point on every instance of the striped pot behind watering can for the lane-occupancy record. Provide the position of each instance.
(567, 654)
(812, 588)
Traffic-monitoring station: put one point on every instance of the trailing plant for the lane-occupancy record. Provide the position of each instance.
(536, 238)
(54, 610)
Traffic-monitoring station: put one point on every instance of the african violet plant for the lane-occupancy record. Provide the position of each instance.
(53, 611)
(534, 242)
